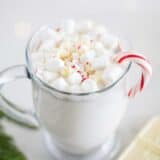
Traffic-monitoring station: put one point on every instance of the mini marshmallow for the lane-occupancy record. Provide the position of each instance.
(98, 46)
(107, 53)
(69, 26)
(84, 48)
(60, 84)
(46, 34)
(89, 85)
(38, 66)
(100, 62)
(89, 25)
(47, 46)
(37, 57)
(110, 41)
(112, 73)
(54, 64)
(61, 36)
(97, 77)
(74, 78)
(88, 56)
(50, 33)
(49, 76)
(85, 26)
(86, 38)
(100, 30)
(66, 45)
(75, 89)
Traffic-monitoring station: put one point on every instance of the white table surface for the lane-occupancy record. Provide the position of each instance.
(136, 19)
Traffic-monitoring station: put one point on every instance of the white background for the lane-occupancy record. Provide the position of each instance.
(138, 20)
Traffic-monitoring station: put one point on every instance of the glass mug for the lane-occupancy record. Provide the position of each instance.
(75, 126)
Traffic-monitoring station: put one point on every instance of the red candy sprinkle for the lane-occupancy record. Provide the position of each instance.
(73, 66)
(83, 79)
(78, 47)
(79, 72)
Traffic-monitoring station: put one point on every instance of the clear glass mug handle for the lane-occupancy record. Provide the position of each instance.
(12, 111)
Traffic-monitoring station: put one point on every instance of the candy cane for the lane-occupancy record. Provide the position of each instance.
(143, 63)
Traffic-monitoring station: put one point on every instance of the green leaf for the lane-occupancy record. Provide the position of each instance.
(8, 150)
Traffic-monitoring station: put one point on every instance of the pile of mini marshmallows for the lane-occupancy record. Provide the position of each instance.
(77, 57)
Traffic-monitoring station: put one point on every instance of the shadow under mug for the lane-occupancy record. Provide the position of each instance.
(75, 126)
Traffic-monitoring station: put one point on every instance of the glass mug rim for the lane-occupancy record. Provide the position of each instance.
(33, 76)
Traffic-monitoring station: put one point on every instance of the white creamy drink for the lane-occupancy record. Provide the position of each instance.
(76, 59)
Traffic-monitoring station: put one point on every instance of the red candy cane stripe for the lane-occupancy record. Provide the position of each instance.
(143, 63)
(123, 55)
(142, 82)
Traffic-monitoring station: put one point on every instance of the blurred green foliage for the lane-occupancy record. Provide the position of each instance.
(8, 150)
